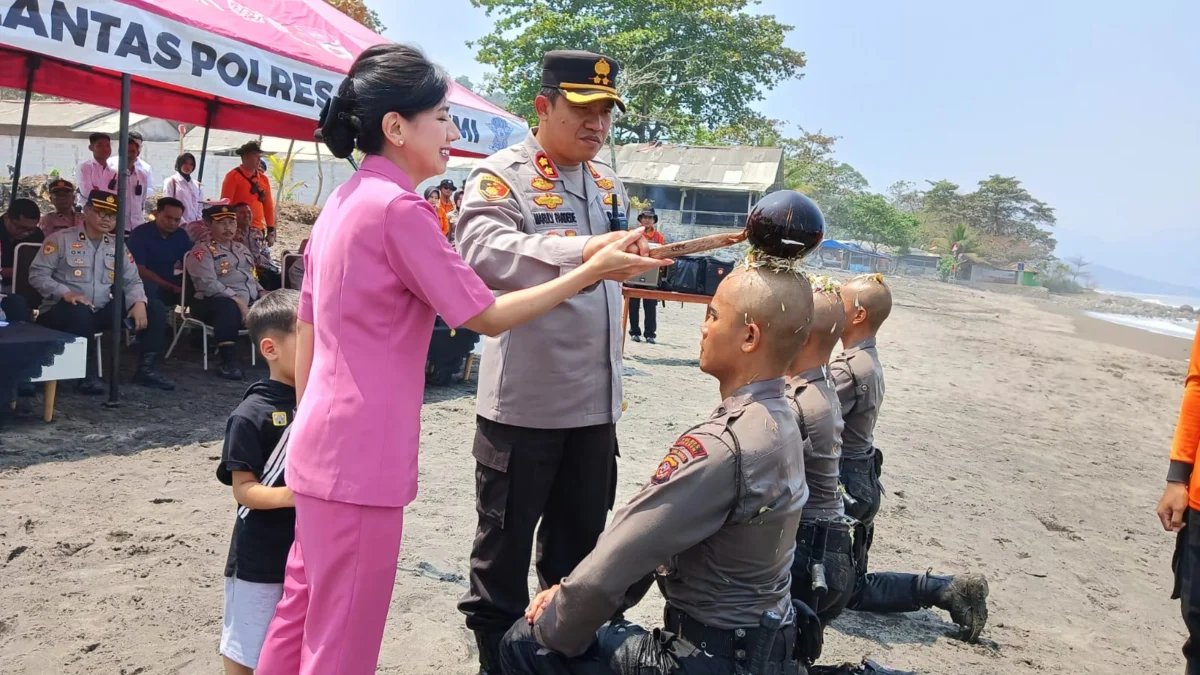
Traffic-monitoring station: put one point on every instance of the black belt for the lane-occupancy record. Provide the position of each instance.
(834, 537)
(859, 464)
(735, 643)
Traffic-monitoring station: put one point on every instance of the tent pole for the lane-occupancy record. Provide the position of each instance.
(32, 63)
(212, 106)
(118, 291)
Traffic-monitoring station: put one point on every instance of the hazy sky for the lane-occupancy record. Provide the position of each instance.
(1094, 105)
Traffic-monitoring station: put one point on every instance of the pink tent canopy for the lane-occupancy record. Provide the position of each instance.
(264, 67)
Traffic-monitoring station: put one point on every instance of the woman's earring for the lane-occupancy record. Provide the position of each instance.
(401, 143)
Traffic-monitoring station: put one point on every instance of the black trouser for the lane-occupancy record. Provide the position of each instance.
(1187, 586)
(881, 592)
(269, 278)
(85, 322)
(651, 307)
(566, 478)
(623, 648)
(830, 546)
(167, 295)
(16, 309)
(223, 314)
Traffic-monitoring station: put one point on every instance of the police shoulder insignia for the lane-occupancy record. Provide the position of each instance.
(548, 201)
(199, 254)
(49, 248)
(686, 449)
(545, 166)
(492, 188)
(595, 174)
(542, 184)
(279, 418)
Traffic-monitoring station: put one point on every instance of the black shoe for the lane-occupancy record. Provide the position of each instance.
(92, 386)
(965, 597)
(229, 369)
(636, 338)
(147, 374)
(650, 340)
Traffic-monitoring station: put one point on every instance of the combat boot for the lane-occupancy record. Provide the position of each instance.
(489, 652)
(147, 373)
(964, 596)
(229, 369)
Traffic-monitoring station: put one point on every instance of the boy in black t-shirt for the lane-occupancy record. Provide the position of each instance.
(253, 462)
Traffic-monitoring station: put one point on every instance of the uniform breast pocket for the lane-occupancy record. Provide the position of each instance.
(79, 269)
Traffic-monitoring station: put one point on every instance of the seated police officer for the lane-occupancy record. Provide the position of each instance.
(717, 515)
(268, 275)
(75, 273)
(222, 281)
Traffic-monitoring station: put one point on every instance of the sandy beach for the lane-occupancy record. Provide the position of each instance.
(1022, 441)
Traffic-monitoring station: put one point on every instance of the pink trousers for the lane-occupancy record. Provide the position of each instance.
(336, 591)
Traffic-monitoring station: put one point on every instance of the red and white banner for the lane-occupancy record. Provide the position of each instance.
(284, 58)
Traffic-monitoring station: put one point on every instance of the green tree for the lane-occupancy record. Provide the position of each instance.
(870, 218)
(358, 10)
(1001, 206)
(465, 82)
(688, 64)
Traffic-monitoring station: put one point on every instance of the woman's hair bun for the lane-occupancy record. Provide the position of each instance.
(339, 127)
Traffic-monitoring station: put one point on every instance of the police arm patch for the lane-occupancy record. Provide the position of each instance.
(198, 254)
(686, 450)
(492, 188)
(50, 248)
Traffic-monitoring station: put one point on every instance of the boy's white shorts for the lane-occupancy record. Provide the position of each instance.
(249, 608)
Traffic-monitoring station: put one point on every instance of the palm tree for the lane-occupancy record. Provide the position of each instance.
(961, 234)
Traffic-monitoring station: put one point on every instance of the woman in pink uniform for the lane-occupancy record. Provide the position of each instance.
(378, 271)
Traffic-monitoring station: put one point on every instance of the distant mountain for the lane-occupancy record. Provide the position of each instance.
(1109, 279)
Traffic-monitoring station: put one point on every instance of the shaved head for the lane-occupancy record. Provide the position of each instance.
(871, 294)
(829, 317)
(779, 303)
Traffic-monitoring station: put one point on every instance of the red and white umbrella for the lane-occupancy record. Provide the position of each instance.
(264, 67)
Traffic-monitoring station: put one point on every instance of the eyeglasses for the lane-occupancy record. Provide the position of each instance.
(106, 216)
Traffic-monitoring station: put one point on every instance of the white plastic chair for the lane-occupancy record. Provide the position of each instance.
(186, 320)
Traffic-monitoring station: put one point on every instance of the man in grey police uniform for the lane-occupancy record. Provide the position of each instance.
(74, 274)
(823, 573)
(712, 519)
(858, 375)
(549, 390)
(223, 282)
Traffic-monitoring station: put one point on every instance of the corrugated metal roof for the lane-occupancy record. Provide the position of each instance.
(65, 114)
(739, 168)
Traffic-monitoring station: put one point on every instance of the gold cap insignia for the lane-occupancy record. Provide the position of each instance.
(602, 71)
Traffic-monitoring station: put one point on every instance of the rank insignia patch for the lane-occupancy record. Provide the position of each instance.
(492, 188)
(545, 166)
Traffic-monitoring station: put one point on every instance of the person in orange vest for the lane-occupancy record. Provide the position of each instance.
(249, 183)
(445, 205)
(1179, 507)
(649, 220)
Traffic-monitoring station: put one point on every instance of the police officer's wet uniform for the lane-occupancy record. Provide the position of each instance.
(712, 519)
(73, 262)
(218, 273)
(858, 375)
(823, 573)
(549, 390)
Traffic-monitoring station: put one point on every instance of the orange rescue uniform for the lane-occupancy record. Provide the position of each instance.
(444, 210)
(1187, 432)
(238, 188)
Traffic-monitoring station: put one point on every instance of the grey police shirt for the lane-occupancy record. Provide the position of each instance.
(222, 271)
(719, 515)
(522, 223)
(858, 376)
(814, 399)
(71, 262)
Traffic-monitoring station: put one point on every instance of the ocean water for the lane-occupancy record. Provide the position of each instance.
(1172, 327)
(1168, 300)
